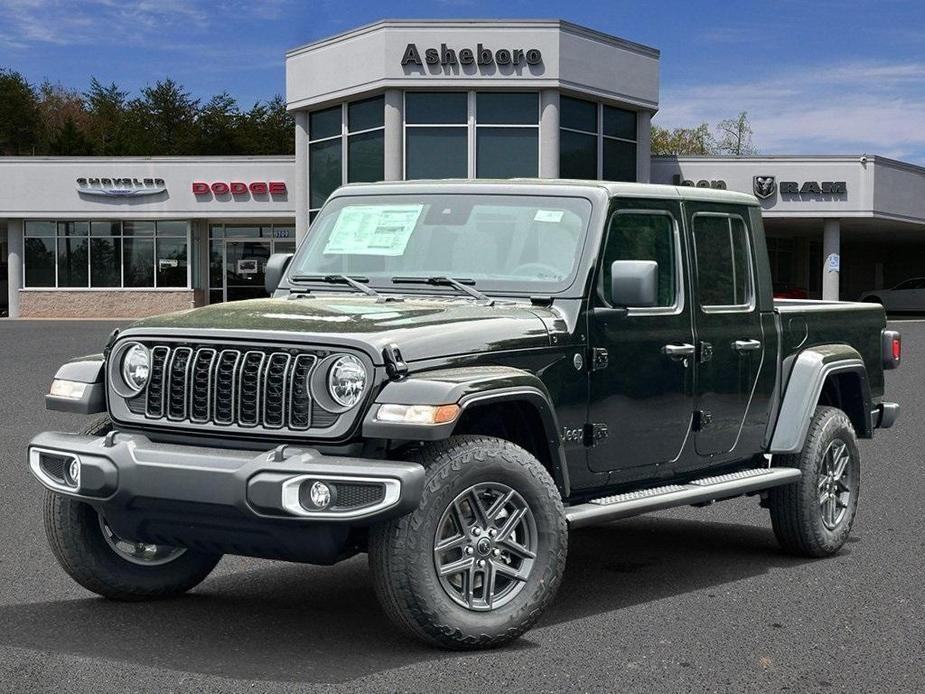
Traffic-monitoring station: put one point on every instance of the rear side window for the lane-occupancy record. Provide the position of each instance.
(724, 270)
(645, 235)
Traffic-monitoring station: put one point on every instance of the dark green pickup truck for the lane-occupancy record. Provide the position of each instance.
(449, 376)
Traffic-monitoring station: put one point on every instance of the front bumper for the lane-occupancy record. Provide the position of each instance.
(225, 500)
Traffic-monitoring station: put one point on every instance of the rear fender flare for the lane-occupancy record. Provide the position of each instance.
(811, 369)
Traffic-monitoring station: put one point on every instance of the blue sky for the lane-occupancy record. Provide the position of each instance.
(816, 77)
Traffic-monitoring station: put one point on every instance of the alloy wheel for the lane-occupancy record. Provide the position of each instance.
(835, 483)
(485, 546)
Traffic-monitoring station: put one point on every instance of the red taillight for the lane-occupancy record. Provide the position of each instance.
(897, 348)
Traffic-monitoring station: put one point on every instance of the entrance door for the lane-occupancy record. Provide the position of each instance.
(245, 266)
(730, 342)
(238, 256)
(644, 395)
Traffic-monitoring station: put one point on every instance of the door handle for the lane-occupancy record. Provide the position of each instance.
(746, 345)
(679, 352)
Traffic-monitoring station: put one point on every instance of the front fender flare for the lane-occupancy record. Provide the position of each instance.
(811, 368)
(468, 387)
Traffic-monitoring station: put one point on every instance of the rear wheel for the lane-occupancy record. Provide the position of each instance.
(813, 517)
(482, 556)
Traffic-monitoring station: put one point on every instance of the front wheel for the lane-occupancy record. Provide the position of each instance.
(813, 517)
(108, 565)
(480, 559)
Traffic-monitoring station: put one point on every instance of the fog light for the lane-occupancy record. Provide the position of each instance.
(316, 495)
(72, 474)
(320, 495)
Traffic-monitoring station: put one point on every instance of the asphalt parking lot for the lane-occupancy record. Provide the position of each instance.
(697, 600)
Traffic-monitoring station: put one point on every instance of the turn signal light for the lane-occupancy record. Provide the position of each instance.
(71, 390)
(417, 414)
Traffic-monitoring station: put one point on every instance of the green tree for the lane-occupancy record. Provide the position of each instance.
(268, 128)
(70, 141)
(218, 126)
(163, 120)
(19, 116)
(683, 141)
(735, 136)
(106, 119)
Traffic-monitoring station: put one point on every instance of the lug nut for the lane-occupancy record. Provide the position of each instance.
(476, 530)
(481, 563)
(469, 550)
(492, 532)
(496, 552)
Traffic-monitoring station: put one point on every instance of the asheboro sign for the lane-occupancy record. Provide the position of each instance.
(480, 55)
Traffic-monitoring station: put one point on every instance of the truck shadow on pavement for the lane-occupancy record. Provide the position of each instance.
(311, 624)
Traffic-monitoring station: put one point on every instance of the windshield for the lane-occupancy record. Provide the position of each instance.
(495, 242)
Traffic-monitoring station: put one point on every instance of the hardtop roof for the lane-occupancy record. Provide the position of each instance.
(531, 186)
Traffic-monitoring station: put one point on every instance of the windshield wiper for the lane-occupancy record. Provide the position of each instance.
(457, 284)
(355, 282)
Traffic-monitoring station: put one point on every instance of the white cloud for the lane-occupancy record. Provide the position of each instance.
(871, 107)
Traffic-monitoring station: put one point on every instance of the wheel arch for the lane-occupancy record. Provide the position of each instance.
(494, 401)
(832, 375)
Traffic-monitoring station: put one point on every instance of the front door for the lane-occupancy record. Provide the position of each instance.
(644, 395)
(245, 264)
(730, 343)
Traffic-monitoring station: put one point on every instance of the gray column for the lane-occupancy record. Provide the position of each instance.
(831, 254)
(643, 146)
(394, 135)
(549, 133)
(301, 175)
(14, 263)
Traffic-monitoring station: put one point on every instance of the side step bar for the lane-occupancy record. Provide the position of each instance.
(610, 508)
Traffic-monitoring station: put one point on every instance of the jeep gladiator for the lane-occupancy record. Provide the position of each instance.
(449, 376)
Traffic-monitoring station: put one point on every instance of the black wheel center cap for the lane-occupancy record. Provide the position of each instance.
(483, 546)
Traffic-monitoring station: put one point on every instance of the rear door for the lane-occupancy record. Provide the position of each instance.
(643, 396)
(727, 325)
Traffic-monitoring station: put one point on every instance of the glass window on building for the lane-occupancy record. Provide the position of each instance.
(346, 143)
(507, 134)
(436, 135)
(596, 141)
(106, 254)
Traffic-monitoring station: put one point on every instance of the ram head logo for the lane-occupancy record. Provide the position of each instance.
(764, 186)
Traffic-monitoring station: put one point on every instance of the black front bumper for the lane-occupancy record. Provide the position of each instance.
(226, 501)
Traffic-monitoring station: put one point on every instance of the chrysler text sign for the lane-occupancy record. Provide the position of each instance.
(120, 187)
(238, 188)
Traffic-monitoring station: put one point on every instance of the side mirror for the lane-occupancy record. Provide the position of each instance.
(634, 283)
(276, 268)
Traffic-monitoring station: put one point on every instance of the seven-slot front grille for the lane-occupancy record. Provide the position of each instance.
(247, 387)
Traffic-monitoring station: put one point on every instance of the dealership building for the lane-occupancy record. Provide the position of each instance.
(125, 237)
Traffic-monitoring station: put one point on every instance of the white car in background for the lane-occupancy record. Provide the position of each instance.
(908, 295)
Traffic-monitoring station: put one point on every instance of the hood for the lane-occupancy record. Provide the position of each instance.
(422, 328)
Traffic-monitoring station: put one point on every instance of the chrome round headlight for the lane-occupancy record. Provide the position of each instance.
(347, 380)
(136, 366)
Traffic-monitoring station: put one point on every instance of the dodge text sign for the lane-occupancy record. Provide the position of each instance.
(239, 188)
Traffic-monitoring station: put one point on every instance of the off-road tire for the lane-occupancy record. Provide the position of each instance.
(401, 552)
(76, 539)
(795, 508)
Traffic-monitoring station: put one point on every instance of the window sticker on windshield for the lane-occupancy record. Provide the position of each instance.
(373, 230)
(554, 216)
